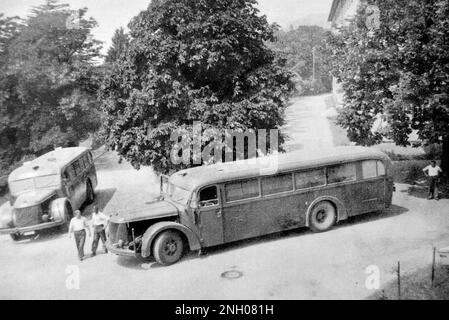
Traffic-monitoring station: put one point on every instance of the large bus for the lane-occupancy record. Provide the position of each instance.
(45, 191)
(221, 203)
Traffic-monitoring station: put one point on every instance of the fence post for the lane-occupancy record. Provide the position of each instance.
(433, 265)
(399, 280)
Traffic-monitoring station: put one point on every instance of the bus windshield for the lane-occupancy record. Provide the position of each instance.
(42, 182)
(178, 194)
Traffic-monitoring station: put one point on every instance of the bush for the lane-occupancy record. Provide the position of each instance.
(433, 151)
(408, 171)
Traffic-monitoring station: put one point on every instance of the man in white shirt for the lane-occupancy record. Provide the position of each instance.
(99, 223)
(433, 172)
(78, 226)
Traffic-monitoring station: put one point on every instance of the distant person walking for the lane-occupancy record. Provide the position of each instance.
(78, 226)
(433, 172)
(99, 223)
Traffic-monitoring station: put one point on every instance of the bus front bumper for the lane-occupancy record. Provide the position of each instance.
(23, 230)
(121, 251)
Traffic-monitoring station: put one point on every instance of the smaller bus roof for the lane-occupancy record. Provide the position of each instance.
(47, 164)
(302, 159)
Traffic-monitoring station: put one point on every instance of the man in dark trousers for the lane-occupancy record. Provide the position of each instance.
(433, 172)
(99, 222)
(78, 226)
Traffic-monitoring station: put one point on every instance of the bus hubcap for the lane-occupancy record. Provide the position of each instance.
(321, 216)
(171, 247)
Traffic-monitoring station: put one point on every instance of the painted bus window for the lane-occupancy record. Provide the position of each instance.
(369, 169)
(242, 190)
(341, 173)
(381, 168)
(277, 184)
(310, 178)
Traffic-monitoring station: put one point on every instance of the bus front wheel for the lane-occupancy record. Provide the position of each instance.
(322, 217)
(168, 247)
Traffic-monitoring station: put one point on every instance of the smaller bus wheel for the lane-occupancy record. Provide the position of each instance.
(16, 236)
(168, 247)
(322, 217)
(68, 215)
(90, 195)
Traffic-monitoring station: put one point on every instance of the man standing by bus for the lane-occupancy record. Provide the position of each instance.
(78, 226)
(433, 172)
(99, 222)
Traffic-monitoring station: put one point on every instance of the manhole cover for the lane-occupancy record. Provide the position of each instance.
(233, 274)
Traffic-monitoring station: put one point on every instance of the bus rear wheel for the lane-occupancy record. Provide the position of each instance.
(322, 217)
(168, 247)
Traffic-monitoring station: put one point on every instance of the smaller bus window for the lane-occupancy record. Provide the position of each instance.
(76, 167)
(242, 190)
(209, 197)
(82, 163)
(341, 173)
(277, 184)
(380, 168)
(369, 169)
(89, 155)
(310, 179)
(69, 173)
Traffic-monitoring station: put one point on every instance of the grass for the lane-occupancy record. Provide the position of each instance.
(418, 286)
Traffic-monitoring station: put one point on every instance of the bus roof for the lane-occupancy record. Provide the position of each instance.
(47, 164)
(217, 173)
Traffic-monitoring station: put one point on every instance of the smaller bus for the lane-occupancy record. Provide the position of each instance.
(221, 203)
(45, 191)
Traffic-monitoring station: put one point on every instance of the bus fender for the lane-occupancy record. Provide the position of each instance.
(155, 229)
(342, 213)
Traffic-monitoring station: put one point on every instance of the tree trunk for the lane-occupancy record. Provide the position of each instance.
(445, 157)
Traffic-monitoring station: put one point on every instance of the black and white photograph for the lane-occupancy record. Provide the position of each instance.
(218, 150)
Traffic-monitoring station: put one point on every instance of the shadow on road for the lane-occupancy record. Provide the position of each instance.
(102, 198)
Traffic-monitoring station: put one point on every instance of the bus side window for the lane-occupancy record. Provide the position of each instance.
(310, 179)
(369, 169)
(209, 197)
(76, 168)
(277, 184)
(341, 173)
(242, 190)
(69, 173)
(381, 168)
(89, 156)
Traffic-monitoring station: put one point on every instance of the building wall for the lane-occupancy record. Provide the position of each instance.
(340, 14)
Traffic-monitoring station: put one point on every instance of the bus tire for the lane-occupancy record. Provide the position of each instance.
(322, 216)
(168, 247)
(90, 195)
(68, 215)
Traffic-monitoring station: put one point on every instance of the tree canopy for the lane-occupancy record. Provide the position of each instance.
(398, 71)
(120, 42)
(299, 46)
(188, 61)
(48, 81)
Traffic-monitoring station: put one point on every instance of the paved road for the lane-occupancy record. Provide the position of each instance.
(293, 265)
(306, 125)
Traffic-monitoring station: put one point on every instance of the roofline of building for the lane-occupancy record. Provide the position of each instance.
(335, 4)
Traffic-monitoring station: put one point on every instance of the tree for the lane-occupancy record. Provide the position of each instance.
(48, 82)
(120, 42)
(299, 46)
(398, 71)
(192, 61)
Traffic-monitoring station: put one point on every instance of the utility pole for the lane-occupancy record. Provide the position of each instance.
(313, 63)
